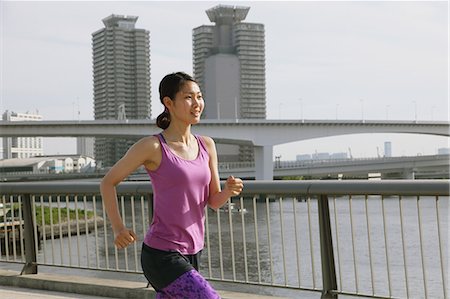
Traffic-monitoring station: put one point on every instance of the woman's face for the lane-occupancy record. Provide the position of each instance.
(188, 104)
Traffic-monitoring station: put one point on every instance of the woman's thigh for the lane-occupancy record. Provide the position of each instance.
(190, 285)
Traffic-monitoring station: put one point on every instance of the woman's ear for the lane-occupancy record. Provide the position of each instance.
(167, 103)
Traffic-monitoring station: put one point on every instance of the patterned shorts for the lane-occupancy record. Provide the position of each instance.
(174, 275)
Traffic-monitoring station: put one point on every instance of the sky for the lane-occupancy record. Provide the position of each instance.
(345, 60)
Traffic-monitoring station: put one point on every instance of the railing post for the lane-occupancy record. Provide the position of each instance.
(326, 250)
(30, 266)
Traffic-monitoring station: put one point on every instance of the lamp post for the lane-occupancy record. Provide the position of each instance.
(78, 104)
(277, 161)
(387, 112)
(218, 110)
(301, 109)
(235, 108)
(362, 109)
(415, 111)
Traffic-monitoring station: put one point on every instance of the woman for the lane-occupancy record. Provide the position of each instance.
(184, 174)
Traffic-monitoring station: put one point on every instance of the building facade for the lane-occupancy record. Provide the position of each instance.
(388, 149)
(47, 165)
(121, 71)
(21, 147)
(85, 146)
(229, 64)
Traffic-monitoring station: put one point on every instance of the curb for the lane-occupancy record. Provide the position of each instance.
(78, 285)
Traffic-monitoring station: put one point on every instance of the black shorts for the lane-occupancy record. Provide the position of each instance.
(161, 268)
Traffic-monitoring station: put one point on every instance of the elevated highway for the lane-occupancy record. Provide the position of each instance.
(263, 134)
(409, 167)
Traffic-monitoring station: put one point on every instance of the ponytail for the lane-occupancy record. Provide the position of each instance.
(163, 120)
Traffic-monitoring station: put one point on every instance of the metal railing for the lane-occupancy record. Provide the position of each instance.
(380, 239)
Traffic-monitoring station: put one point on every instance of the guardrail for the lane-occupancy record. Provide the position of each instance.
(380, 239)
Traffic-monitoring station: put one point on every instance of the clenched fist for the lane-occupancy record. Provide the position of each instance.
(124, 238)
(234, 185)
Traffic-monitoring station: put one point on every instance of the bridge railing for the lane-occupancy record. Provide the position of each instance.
(368, 238)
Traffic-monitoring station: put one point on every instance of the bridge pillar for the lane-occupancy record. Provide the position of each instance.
(264, 162)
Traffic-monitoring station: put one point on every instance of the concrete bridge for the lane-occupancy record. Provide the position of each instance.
(408, 167)
(262, 134)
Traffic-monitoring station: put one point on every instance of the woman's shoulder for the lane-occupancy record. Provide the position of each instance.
(208, 144)
(149, 143)
(207, 140)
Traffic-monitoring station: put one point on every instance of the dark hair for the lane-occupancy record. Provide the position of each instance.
(169, 86)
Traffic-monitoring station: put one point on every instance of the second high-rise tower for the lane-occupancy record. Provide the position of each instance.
(229, 63)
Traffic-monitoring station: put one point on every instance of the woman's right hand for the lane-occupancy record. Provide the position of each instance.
(124, 238)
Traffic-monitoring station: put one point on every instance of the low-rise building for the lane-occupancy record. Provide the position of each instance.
(21, 147)
(47, 165)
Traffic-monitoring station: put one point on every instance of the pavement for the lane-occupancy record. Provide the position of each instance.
(58, 286)
(23, 293)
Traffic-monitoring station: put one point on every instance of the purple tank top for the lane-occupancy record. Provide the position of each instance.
(180, 194)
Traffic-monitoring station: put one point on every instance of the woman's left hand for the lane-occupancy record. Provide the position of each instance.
(234, 185)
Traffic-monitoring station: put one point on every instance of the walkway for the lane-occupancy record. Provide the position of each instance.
(22, 293)
(56, 286)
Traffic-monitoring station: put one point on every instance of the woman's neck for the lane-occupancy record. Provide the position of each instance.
(178, 133)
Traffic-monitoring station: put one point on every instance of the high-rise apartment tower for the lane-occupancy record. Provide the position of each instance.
(229, 63)
(121, 66)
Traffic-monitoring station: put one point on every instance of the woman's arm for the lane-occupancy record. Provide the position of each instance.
(233, 186)
(140, 153)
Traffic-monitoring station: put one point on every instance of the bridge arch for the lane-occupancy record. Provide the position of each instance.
(264, 134)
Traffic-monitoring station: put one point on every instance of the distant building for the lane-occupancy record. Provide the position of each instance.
(303, 157)
(85, 146)
(388, 149)
(21, 147)
(444, 151)
(338, 156)
(229, 64)
(121, 71)
(321, 156)
(47, 165)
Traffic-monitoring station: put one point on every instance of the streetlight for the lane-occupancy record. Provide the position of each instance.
(301, 109)
(337, 106)
(415, 111)
(78, 104)
(277, 161)
(218, 110)
(362, 109)
(387, 111)
(235, 108)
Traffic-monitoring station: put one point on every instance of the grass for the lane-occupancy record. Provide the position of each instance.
(64, 215)
(47, 212)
